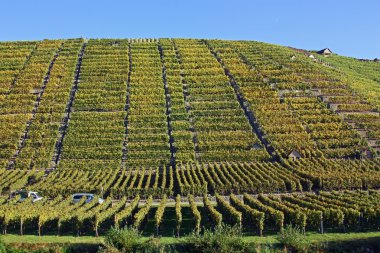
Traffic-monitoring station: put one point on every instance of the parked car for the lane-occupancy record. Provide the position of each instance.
(89, 197)
(23, 195)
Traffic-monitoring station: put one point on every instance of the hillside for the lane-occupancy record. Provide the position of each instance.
(148, 118)
(362, 75)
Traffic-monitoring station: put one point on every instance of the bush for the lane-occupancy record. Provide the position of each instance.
(268, 249)
(293, 239)
(153, 245)
(224, 239)
(128, 240)
(121, 240)
(33, 248)
(2, 246)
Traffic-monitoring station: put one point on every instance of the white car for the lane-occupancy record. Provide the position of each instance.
(35, 196)
(89, 197)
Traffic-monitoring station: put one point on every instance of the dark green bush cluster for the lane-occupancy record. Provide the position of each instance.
(223, 239)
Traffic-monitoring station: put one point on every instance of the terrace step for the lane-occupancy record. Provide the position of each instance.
(372, 142)
(127, 106)
(168, 107)
(362, 132)
(302, 93)
(325, 98)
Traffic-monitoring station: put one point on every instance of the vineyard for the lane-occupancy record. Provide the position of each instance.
(186, 134)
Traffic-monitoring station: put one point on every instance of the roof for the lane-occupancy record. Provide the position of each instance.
(325, 51)
(295, 153)
(84, 194)
(257, 146)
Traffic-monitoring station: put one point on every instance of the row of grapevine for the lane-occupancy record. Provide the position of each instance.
(123, 215)
(142, 213)
(214, 215)
(273, 217)
(263, 213)
(178, 214)
(144, 182)
(230, 214)
(251, 217)
(233, 177)
(109, 214)
(196, 214)
(160, 213)
(337, 174)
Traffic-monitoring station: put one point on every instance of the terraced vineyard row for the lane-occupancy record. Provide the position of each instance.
(198, 179)
(256, 214)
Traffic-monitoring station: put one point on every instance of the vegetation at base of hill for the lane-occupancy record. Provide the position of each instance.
(292, 238)
(334, 242)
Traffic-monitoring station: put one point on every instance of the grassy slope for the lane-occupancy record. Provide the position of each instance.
(10, 239)
(311, 237)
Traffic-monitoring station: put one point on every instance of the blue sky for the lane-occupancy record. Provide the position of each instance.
(348, 27)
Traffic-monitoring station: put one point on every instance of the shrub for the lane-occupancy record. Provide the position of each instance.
(293, 239)
(121, 240)
(224, 239)
(2, 246)
(153, 245)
